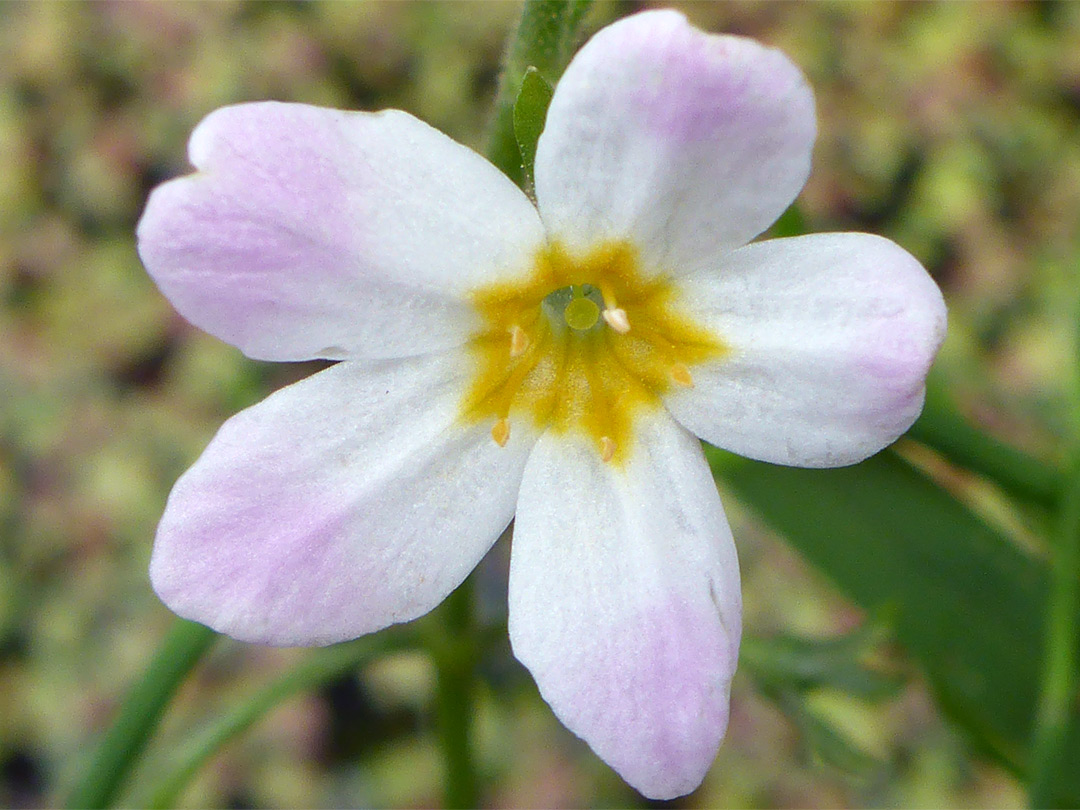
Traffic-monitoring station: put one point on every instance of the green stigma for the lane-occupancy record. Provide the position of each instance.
(581, 314)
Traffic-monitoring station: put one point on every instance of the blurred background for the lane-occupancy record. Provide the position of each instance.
(951, 128)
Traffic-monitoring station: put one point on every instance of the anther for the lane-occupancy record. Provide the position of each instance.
(519, 341)
(617, 320)
(681, 374)
(500, 432)
(607, 448)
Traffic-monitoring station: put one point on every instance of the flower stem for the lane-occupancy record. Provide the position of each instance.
(183, 647)
(1055, 711)
(544, 39)
(455, 654)
(1059, 681)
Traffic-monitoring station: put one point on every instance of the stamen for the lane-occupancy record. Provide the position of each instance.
(607, 448)
(519, 341)
(608, 295)
(500, 432)
(617, 320)
(681, 374)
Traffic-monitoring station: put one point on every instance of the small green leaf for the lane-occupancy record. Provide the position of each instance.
(798, 674)
(790, 223)
(530, 112)
(847, 663)
(545, 38)
(827, 742)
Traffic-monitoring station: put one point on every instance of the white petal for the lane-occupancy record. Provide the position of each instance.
(625, 604)
(682, 142)
(341, 504)
(832, 336)
(310, 232)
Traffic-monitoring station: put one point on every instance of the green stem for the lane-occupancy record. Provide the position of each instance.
(317, 668)
(1059, 682)
(942, 428)
(1057, 695)
(455, 654)
(178, 654)
(545, 39)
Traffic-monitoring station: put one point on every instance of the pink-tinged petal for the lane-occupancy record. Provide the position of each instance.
(832, 336)
(683, 142)
(339, 505)
(310, 232)
(624, 601)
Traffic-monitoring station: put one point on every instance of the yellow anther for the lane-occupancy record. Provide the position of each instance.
(519, 341)
(500, 432)
(607, 448)
(681, 374)
(617, 320)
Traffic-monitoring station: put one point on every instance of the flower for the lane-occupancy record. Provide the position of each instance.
(553, 360)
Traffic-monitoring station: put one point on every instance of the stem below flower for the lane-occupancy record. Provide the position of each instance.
(1059, 681)
(1056, 709)
(316, 668)
(544, 39)
(455, 662)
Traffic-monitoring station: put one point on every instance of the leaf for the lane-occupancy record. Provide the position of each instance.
(826, 741)
(797, 673)
(317, 667)
(545, 39)
(943, 428)
(843, 663)
(790, 223)
(965, 602)
(143, 708)
(530, 112)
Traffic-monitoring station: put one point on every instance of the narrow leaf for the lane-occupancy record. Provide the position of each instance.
(545, 39)
(845, 663)
(122, 744)
(530, 110)
(827, 743)
(944, 429)
(318, 667)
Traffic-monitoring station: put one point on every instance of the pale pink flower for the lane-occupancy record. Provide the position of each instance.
(475, 384)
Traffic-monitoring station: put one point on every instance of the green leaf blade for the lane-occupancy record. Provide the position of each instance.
(146, 703)
(530, 112)
(964, 601)
(545, 40)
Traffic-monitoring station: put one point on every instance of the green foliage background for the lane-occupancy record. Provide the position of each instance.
(952, 128)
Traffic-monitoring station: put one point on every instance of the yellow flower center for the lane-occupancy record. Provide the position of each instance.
(585, 343)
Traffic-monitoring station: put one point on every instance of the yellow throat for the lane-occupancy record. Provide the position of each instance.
(584, 343)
